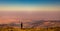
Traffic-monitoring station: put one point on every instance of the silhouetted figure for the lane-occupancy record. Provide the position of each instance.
(21, 25)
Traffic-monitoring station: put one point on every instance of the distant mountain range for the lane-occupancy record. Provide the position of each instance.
(34, 24)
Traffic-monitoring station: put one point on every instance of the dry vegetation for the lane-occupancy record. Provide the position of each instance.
(29, 29)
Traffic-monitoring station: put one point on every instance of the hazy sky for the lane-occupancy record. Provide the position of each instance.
(29, 10)
(29, 5)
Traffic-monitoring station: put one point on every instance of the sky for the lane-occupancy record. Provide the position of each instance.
(28, 10)
(29, 5)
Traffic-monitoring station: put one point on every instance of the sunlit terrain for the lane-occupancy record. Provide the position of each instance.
(30, 29)
(42, 25)
(32, 21)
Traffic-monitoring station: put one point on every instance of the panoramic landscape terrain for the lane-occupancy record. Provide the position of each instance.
(29, 15)
(31, 21)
